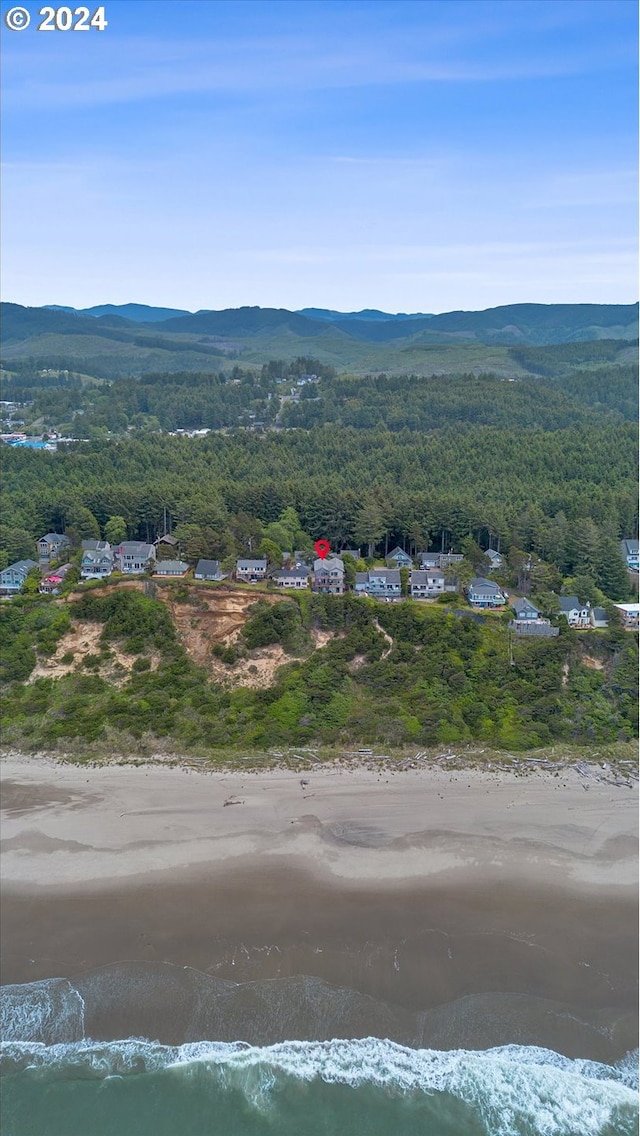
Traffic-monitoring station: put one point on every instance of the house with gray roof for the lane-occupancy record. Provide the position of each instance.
(14, 575)
(50, 545)
(381, 583)
(171, 568)
(95, 546)
(291, 578)
(496, 559)
(398, 558)
(598, 618)
(250, 571)
(525, 609)
(97, 563)
(484, 593)
(426, 584)
(575, 613)
(629, 549)
(208, 570)
(133, 557)
(328, 576)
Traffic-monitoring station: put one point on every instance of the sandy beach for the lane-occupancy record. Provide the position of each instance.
(418, 888)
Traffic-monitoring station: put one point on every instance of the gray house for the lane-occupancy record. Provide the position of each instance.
(354, 553)
(426, 584)
(98, 563)
(133, 557)
(171, 568)
(524, 609)
(598, 617)
(14, 575)
(95, 546)
(496, 559)
(398, 558)
(50, 545)
(328, 576)
(251, 570)
(484, 593)
(208, 570)
(379, 582)
(629, 549)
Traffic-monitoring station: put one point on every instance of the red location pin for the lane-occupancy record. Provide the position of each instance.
(323, 548)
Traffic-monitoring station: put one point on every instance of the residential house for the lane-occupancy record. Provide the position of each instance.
(399, 559)
(97, 563)
(134, 557)
(629, 613)
(354, 553)
(95, 546)
(575, 613)
(525, 609)
(50, 545)
(484, 593)
(438, 559)
(328, 576)
(598, 618)
(208, 570)
(379, 582)
(51, 584)
(428, 560)
(291, 578)
(496, 560)
(629, 549)
(171, 568)
(251, 570)
(427, 584)
(14, 575)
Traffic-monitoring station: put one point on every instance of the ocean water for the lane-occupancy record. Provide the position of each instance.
(64, 1075)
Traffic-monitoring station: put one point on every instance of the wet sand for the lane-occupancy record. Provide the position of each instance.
(417, 888)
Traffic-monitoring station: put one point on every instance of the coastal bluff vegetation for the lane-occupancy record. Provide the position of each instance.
(199, 669)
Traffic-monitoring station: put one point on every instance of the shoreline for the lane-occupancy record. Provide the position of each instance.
(417, 888)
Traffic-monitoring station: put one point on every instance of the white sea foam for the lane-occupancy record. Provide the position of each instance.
(511, 1088)
(49, 1011)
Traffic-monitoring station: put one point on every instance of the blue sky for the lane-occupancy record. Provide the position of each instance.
(411, 156)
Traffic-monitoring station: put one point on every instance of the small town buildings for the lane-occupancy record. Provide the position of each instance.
(50, 545)
(629, 613)
(354, 553)
(629, 549)
(427, 584)
(133, 557)
(51, 585)
(598, 618)
(291, 578)
(399, 559)
(575, 613)
(328, 576)
(496, 560)
(171, 568)
(383, 583)
(98, 563)
(208, 570)
(250, 571)
(525, 609)
(484, 593)
(14, 575)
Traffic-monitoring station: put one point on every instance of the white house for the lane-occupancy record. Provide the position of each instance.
(575, 613)
(291, 578)
(96, 563)
(379, 582)
(328, 576)
(208, 570)
(251, 570)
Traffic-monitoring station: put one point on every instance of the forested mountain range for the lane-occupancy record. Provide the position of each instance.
(108, 344)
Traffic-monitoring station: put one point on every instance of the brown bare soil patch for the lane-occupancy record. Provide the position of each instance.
(216, 616)
(595, 664)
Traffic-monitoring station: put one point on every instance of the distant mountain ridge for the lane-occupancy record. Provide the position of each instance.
(103, 341)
